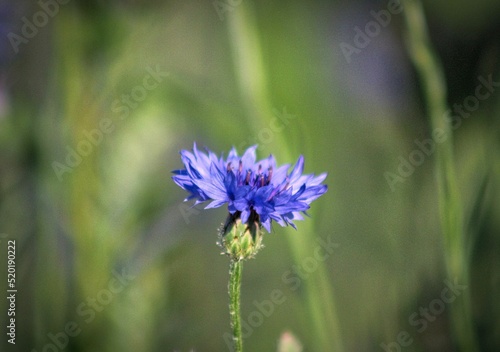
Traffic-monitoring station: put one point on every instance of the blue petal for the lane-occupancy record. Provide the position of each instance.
(241, 204)
(211, 189)
(248, 159)
(279, 175)
(216, 203)
(317, 180)
(245, 214)
(267, 225)
(297, 170)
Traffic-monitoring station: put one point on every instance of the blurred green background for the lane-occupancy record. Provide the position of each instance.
(96, 100)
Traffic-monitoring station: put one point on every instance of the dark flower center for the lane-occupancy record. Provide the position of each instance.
(260, 179)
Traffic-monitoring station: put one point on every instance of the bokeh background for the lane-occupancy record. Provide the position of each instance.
(88, 141)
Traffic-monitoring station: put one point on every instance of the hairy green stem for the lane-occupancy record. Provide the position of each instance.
(235, 268)
(450, 205)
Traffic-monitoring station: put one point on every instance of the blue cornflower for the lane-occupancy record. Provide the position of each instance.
(255, 191)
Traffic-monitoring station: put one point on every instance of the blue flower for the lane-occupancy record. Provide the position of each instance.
(252, 189)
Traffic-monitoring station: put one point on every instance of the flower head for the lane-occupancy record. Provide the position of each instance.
(252, 189)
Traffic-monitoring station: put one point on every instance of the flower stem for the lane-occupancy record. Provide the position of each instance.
(234, 306)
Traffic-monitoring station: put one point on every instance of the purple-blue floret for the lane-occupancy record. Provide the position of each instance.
(249, 186)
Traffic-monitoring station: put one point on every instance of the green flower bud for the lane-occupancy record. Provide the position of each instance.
(240, 241)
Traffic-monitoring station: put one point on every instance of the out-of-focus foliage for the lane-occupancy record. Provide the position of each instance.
(97, 102)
